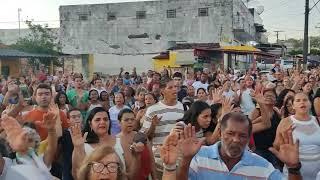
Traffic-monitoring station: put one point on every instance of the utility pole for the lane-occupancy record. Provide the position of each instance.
(306, 35)
(19, 10)
(278, 35)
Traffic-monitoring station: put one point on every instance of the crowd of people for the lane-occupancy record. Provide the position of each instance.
(196, 125)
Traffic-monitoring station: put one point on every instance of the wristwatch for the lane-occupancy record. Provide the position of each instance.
(169, 168)
(295, 170)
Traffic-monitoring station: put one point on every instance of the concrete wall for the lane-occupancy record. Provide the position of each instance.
(100, 36)
(111, 64)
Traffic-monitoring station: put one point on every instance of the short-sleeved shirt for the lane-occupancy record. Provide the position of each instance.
(207, 164)
(169, 114)
(37, 116)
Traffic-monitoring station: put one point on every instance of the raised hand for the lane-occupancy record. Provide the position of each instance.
(288, 152)
(169, 150)
(216, 95)
(258, 96)
(137, 147)
(16, 136)
(76, 135)
(189, 143)
(155, 120)
(227, 106)
(49, 120)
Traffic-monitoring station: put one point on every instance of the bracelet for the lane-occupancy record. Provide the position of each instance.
(169, 168)
(295, 170)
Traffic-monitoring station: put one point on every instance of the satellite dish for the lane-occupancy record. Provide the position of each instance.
(260, 9)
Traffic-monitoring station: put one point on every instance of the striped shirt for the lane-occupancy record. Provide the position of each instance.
(169, 114)
(207, 164)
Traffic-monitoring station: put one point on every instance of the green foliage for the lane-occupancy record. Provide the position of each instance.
(298, 45)
(41, 40)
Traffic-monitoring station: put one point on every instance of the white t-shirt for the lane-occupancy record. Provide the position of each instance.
(246, 102)
(228, 94)
(29, 168)
(198, 84)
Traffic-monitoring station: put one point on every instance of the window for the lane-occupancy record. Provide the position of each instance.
(83, 17)
(141, 14)
(203, 12)
(111, 16)
(171, 13)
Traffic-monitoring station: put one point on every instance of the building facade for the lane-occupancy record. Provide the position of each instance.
(129, 34)
(134, 28)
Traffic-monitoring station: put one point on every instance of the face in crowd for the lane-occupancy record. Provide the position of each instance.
(43, 97)
(235, 135)
(170, 91)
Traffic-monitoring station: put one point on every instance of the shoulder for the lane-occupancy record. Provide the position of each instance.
(284, 123)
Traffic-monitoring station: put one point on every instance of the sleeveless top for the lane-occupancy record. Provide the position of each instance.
(117, 147)
(308, 133)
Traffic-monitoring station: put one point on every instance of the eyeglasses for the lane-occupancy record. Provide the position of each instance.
(98, 167)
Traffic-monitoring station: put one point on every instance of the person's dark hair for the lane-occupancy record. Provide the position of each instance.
(97, 80)
(132, 91)
(92, 137)
(164, 82)
(286, 110)
(177, 74)
(91, 92)
(317, 94)
(201, 89)
(123, 96)
(270, 90)
(214, 111)
(100, 95)
(282, 95)
(209, 87)
(191, 115)
(60, 93)
(154, 96)
(71, 110)
(43, 86)
(124, 111)
(239, 117)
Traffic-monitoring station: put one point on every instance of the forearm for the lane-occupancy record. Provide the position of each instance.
(52, 147)
(169, 175)
(294, 177)
(183, 170)
(78, 156)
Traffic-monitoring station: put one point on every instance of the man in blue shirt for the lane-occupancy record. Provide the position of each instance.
(228, 159)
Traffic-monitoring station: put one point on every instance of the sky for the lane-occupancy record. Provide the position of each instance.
(278, 15)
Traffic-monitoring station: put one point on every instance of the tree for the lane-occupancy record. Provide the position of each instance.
(315, 42)
(40, 40)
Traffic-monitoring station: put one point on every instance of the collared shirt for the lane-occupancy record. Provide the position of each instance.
(207, 164)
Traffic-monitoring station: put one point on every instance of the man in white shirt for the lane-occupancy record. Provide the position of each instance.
(98, 86)
(227, 92)
(203, 83)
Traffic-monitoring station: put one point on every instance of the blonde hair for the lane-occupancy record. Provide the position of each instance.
(98, 154)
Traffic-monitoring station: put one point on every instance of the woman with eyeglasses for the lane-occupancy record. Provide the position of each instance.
(96, 132)
(102, 163)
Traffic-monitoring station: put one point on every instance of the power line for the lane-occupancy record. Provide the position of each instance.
(315, 6)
